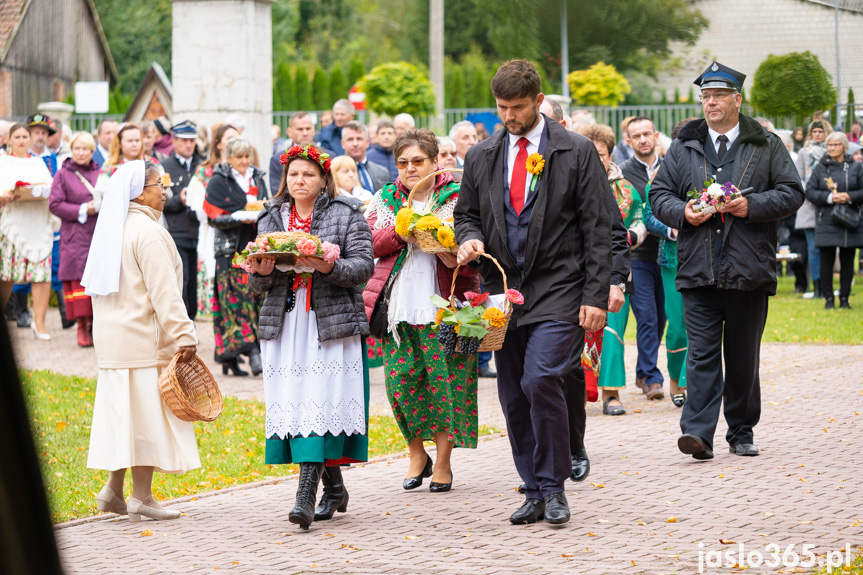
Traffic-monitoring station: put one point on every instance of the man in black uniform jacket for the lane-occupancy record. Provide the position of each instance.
(727, 262)
(182, 220)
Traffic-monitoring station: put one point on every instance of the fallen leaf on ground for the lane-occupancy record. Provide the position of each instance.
(146, 533)
(598, 485)
(61, 425)
(642, 523)
(671, 520)
(589, 534)
(805, 523)
(633, 562)
(411, 536)
(727, 541)
(769, 514)
(567, 555)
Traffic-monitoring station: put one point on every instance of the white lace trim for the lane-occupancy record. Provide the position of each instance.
(308, 418)
(293, 417)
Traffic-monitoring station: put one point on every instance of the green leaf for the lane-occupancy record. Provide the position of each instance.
(438, 301)
(472, 330)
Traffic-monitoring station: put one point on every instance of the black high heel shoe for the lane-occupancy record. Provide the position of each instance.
(436, 487)
(414, 482)
(233, 366)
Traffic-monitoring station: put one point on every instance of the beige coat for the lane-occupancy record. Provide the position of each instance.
(143, 323)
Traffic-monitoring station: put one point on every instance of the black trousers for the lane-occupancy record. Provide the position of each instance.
(188, 251)
(846, 270)
(530, 369)
(574, 388)
(717, 321)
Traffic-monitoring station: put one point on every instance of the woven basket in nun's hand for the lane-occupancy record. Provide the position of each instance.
(189, 390)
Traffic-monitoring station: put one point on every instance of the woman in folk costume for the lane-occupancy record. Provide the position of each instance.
(433, 395)
(312, 327)
(26, 227)
(235, 306)
(612, 373)
(134, 276)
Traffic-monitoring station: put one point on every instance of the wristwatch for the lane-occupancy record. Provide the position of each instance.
(622, 287)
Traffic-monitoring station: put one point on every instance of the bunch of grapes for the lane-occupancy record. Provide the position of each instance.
(469, 344)
(447, 338)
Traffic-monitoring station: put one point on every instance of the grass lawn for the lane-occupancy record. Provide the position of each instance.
(793, 319)
(231, 448)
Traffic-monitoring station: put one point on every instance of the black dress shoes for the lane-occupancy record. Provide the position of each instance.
(414, 482)
(580, 466)
(694, 446)
(436, 487)
(486, 371)
(556, 509)
(531, 511)
(747, 449)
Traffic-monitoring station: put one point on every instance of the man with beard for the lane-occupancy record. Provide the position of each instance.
(552, 236)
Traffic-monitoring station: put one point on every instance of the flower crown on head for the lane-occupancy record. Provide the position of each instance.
(310, 152)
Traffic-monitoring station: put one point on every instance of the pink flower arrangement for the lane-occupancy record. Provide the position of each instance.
(332, 252)
(514, 296)
(307, 247)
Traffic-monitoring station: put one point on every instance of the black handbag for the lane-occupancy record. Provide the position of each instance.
(378, 324)
(845, 216)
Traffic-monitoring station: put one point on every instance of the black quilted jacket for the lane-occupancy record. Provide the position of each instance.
(336, 296)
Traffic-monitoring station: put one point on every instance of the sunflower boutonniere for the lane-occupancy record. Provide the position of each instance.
(535, 164)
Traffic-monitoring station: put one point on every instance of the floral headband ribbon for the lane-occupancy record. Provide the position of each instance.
(310, 152)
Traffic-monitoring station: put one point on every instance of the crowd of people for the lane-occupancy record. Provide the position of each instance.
(175, 203)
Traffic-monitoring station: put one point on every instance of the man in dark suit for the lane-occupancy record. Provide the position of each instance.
(727, 261)
(182, 220)
(551, 233)
(355, 141)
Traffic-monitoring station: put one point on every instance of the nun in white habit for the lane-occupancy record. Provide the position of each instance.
(135, 276)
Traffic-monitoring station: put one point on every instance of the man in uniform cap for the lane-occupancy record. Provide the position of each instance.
(727, 261)
(181, 219)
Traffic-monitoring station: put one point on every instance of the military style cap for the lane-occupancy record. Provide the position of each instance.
(719, 76)
(186, 130)
(41, 121)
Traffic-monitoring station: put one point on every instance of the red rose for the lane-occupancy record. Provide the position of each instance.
(294, 151)
(283, 159)
(326, 165)
(313, 153)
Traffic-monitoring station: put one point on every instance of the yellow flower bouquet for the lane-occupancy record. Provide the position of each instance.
(433, 235)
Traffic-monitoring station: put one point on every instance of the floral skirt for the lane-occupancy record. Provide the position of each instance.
(205, 290)
(375, 351)
(430, 392)
(235, 312)
(17, 269)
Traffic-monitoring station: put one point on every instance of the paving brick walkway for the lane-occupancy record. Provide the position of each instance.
(644, 509)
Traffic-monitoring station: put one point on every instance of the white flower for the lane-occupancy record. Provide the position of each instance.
(715, 190)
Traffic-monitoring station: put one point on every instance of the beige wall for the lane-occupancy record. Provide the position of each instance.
(743, 33)
(222, 64)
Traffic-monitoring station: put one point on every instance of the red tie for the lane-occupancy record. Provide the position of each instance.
(519, 175)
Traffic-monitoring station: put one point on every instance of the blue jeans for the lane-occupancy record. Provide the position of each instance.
(814, 255)
(648, 305)
(484, 357)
